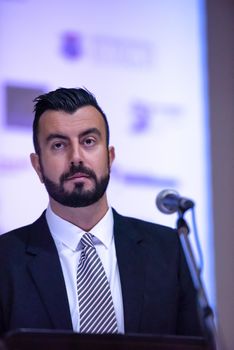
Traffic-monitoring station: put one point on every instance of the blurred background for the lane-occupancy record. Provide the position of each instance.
(162, 71)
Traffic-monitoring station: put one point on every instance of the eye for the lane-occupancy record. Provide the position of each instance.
(58, 146)
(89, 141)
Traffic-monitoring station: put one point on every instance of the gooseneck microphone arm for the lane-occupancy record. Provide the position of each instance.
(169, 202)
(205, 310)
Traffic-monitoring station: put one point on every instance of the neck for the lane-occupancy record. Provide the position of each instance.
(86, 217)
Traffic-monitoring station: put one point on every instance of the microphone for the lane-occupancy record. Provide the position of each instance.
(169, 201)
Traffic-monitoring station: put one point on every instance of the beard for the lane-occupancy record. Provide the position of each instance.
(78, 197)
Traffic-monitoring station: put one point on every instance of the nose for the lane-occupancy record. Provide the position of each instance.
(76, 156)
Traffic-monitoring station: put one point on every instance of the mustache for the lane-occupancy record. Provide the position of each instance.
(77, 169)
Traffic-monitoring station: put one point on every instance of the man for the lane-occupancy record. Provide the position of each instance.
(42, 273)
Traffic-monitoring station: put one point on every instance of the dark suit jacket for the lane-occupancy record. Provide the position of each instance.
(158, 295)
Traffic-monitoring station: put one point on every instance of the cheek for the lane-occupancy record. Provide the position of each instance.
(102, 166)
(53, 167)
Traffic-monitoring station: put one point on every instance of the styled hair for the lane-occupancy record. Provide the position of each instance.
(67, 100)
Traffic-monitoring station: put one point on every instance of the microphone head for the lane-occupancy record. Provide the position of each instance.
(167, 201)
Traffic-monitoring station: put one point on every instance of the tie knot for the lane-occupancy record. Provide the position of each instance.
(87, 240)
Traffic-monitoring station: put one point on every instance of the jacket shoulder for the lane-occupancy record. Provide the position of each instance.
(144, 228)
(11, 241)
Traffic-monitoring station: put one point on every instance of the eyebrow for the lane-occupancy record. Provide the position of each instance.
(56, 136)
(82, 134)
(91, 131)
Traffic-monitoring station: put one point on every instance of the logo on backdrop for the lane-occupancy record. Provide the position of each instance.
(72, 46)
(102, 49)
(145, 115)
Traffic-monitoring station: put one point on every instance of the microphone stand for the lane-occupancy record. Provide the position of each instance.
(206, 312)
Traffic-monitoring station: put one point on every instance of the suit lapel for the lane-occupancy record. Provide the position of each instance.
(45, 269)
(131, 261)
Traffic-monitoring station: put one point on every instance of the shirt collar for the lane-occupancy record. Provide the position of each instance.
(69, 234)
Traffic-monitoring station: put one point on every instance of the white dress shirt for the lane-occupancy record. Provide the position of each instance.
(67, 240)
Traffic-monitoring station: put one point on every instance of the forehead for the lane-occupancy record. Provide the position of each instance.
(71, 123)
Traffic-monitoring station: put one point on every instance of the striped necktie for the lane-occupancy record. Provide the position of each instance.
(97, 314)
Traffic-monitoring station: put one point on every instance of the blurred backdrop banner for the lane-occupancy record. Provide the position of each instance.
(145, 61)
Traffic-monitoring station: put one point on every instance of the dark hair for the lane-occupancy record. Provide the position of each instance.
(67, 100)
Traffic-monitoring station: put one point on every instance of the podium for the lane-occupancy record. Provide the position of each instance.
(24, 339)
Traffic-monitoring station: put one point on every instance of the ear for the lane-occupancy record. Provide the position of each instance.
(111, 155)
(35, 161)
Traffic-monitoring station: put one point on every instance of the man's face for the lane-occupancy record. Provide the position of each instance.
(74, 162)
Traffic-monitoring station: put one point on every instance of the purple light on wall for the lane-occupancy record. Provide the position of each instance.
(143, 179)
(8, 165)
